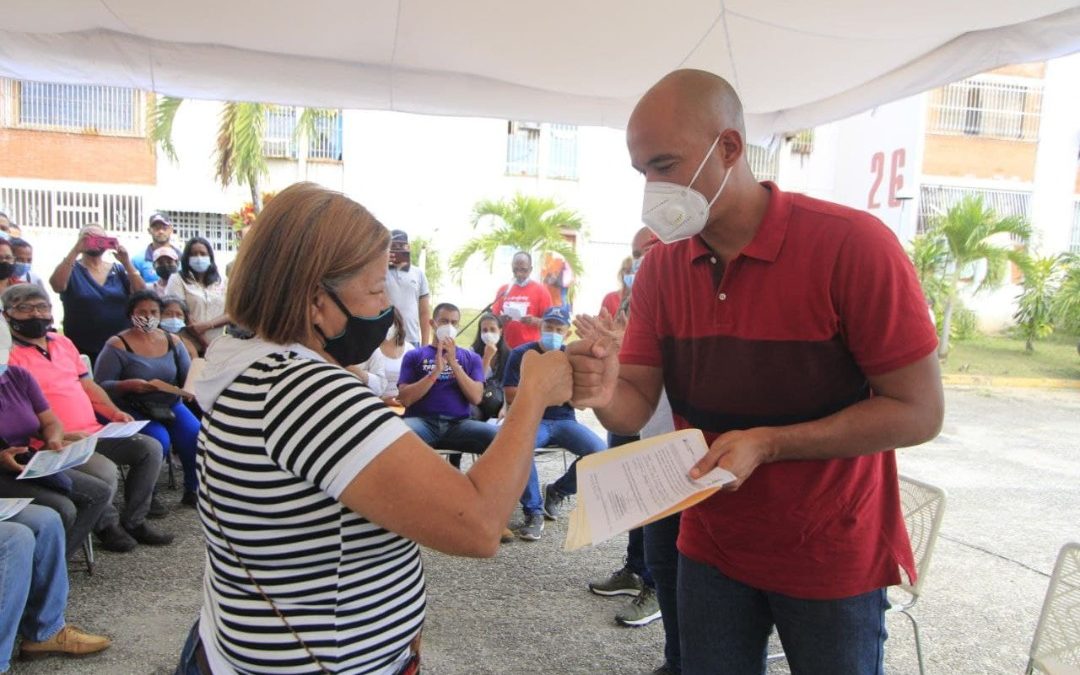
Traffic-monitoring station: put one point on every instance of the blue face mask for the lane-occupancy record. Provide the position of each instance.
(22, 269)
(172, 324)
(628, 279)
(551, 341)
(199, 263)
(3, 369)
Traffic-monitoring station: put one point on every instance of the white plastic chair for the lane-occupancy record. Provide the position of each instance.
(923, 506)
(1055, 649)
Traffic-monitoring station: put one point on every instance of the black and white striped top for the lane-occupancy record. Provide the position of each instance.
(276, 450)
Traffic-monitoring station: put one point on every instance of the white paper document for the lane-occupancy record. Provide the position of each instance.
(628, 486)
(516, 309)
(11, 506)
(48, 462)
(120, 429)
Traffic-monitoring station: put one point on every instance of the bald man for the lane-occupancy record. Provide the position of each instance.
(794, 334)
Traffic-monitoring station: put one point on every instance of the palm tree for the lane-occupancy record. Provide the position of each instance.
(929, 255)
(239, 157)
(1034, 306)
(969, 229)
(525, 223)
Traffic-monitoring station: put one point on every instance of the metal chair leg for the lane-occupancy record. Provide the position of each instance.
(88, 551)
(918, 641)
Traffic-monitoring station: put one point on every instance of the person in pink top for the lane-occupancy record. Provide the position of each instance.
(521, 304)
(76, 400)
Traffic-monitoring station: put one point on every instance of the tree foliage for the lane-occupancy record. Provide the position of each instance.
(1034, 305)
(525, 223)
(972, 233)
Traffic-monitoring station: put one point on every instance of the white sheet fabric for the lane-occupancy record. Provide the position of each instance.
(795, 63)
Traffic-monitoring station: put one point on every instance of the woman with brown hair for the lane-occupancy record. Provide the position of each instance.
(294, 581)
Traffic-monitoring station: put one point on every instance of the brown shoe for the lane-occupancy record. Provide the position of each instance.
(507, 535)
(70, 640)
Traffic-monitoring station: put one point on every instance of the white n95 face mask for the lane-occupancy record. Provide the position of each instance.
(446, 331)
(675, 212)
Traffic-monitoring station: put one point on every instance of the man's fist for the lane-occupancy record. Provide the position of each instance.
(596, 371)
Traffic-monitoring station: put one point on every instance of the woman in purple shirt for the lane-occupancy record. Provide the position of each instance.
(79, 495)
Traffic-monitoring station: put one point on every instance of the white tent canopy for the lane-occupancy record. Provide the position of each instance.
(795, 63)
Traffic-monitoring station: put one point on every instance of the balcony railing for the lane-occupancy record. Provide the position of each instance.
(936, 200)
(279, 134)
(986, 106)
(764, 164)
(78, 108)
(71, 209)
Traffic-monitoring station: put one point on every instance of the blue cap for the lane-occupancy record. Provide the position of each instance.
(557, 314)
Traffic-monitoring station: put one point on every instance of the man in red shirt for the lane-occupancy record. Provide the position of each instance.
(793, 332)
(521, 304)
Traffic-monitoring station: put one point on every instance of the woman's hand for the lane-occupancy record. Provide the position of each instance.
(122, 416)
(490, 351)
(392, 401)
(547, 376)
(74, 436)
(7, 458)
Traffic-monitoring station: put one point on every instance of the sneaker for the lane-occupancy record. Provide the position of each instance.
(144, 534)
(532, 528)
(157, 509)
(642, 610)
(190, 499)
(553, 501)
(621, 582)
(116, 539)
(70, 640)
(664, 670)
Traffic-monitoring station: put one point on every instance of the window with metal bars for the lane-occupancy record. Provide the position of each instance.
(279, 134)
(215, 227)
(989, 106)
(71, 209)
(542, 149)
(79, 108)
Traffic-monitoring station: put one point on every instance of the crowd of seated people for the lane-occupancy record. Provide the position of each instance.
(133, 325)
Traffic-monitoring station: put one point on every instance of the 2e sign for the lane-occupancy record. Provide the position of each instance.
(896, 178)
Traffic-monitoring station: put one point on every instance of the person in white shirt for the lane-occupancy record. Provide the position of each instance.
(407, 286)
(202, 287)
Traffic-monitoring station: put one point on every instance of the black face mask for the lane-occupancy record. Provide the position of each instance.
(164, 271)
(361, 337)
(94, 253)
(6, 270)
(31, 328)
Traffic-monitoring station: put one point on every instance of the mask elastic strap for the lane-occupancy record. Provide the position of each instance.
(706, 159)
(722, 184)
(337, 301)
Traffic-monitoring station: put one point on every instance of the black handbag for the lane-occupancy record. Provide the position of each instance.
(492, 400)
(155, 411)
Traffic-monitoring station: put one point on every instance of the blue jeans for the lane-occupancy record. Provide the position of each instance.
(33, 578)
(181, 435)
(725, 625)
(662, 562)
(463, 435)
(575, 437)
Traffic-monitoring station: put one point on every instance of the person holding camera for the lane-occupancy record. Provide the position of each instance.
(136, 368)
(94, 291)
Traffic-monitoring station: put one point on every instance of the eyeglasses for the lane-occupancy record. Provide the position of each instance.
(37, 307)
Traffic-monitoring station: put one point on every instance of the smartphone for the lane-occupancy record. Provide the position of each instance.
(99, 243)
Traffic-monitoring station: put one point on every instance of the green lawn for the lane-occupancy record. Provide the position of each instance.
(1004, 356)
